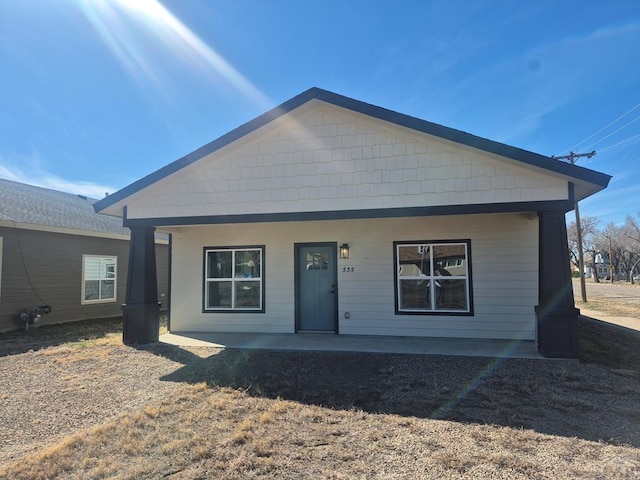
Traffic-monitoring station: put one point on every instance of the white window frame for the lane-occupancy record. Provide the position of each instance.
(431, 277)
(103, 276)
(233, 279)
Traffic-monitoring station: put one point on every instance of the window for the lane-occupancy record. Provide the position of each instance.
(433, 277)
(233, 279)
(99, 276)
(318, 261)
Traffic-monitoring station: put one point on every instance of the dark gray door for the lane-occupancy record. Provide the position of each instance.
(316, 287)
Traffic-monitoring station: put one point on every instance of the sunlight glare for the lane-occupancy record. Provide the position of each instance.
(112, 20)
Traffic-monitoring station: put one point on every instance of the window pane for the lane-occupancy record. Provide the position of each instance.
(91, 268)
(248, 264)
(109, 268)
(91, 290)
(451, 295)
(219, 264)
(219, 295)
(233, 278)
(433, 277)
(247, 294)
(413, 260)
(414, 294)
(318, 261)
(449, 260)
(107, 289)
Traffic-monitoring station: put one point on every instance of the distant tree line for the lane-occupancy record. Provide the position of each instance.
(614, 245)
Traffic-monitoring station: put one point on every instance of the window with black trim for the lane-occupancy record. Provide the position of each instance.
(234, 279)
(99, 275)
(433, 277)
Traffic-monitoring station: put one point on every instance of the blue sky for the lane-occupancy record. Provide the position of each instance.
(95, 94)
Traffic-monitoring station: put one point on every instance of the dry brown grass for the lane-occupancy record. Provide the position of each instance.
(73, 335)
(222, 433)
(242, 414)
(611, 307)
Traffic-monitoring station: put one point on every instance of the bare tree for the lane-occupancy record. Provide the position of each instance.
(633, 226)
(616, 245)
(631, 230)
(589, 229)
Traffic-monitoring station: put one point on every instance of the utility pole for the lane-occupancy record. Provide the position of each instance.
(572, 158)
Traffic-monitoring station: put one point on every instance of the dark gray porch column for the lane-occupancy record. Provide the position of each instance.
(141, 310)
(556, 312)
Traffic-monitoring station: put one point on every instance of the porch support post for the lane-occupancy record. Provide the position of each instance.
(556, 313)
(141, 311)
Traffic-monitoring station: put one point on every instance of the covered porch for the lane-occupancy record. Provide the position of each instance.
(356, 343)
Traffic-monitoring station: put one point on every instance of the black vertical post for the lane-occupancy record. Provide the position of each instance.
(556, 312)
(141, 310)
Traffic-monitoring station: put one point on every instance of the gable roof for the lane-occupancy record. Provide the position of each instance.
(36, 207)
(596, 180)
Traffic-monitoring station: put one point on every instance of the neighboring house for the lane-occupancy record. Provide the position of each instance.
(56, 250)
(600, 267)
(327, 214)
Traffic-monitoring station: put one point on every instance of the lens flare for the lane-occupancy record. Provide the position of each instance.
(135, 30)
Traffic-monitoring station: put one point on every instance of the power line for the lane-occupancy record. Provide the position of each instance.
(603, 128)
(615, 131)
(620, 143)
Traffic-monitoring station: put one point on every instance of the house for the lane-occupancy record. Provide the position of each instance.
(598, 267)
(56, 251)
(327, 214)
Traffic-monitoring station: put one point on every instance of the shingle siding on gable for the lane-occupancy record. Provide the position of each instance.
(322, 157)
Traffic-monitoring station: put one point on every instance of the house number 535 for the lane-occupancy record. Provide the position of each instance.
(348, 269)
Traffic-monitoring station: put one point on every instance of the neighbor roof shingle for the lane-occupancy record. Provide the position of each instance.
(27, 204)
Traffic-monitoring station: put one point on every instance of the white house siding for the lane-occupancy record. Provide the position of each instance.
(322, 157)
(504, 251)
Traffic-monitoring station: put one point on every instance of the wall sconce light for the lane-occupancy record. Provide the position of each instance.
(344, 250)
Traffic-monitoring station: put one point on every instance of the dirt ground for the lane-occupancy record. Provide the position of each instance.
(598, 399)
(84, 376)
(554, 397)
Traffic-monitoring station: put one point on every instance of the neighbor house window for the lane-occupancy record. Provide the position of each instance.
(234, 279)
(433, 277)
(99, 275)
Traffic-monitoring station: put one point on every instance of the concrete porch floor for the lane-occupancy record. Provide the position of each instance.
(356, 343)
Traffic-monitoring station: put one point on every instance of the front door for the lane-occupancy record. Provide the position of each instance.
(316, 287)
